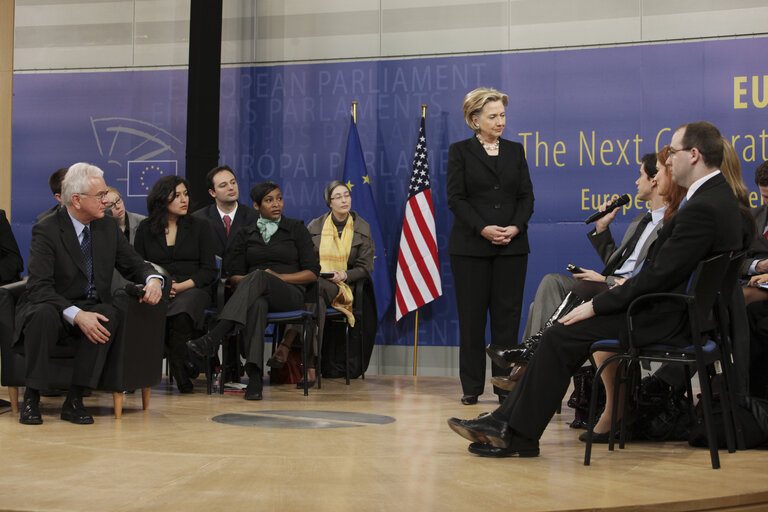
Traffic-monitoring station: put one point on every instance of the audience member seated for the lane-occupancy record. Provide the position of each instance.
(11, 264)
(226, 216)
(72, 257)
(54, 182)
(127, 221)
(181, 244)
(270, 263)
(344, 245)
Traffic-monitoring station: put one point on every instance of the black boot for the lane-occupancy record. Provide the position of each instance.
(179, 331)
(522, 353)
(255, 382)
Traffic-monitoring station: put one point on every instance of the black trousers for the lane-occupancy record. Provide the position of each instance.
(486, 286)
(257, 294)
(44, 329)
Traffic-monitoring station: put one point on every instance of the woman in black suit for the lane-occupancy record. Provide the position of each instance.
(181, 244)
(491, 197)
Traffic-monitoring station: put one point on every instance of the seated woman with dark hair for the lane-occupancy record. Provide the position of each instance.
(269, 262)
(344, 244)
(182, 245)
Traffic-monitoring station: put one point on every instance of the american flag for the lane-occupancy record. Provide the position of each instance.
(418, 270)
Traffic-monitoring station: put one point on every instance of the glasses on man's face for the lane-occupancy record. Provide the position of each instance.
(99, 195)
(339, 197)
(114, 203)
(673, 151)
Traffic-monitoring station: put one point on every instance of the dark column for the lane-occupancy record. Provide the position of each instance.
(203, 96)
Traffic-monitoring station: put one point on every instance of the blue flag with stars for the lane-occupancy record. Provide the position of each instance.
(357, 179)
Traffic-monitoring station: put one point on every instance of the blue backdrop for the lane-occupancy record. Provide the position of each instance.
(585, 117)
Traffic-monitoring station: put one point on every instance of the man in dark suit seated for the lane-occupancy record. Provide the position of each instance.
(54, 183)
(226, 215)
(703, 227)
(72, 257)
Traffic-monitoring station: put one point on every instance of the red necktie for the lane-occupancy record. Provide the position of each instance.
(227, 223)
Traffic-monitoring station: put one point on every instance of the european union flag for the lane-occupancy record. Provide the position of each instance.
(357, 179)
(142, 174)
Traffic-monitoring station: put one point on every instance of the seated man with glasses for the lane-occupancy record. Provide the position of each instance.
(126, 221)
(72, 257)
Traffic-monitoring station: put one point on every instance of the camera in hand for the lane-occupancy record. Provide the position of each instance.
(326, 275)
(573, 269)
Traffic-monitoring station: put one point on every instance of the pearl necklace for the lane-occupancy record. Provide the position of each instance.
(494, 146)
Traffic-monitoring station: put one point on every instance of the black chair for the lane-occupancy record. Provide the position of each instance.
(702, 350)
(304, 317)
(134, 361)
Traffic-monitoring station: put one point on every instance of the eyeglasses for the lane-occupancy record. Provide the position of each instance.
(672, 150)
(340, 196)
(114, 203)
(99, 195)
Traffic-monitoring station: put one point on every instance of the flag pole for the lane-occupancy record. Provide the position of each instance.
(354, 111)
(416, 325)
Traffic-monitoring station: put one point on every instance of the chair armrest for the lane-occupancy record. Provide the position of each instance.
(16, 288)
(686, 301)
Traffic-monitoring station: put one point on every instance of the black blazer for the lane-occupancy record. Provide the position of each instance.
(190, 258)
(708, 224)
(244, 216)
(56, 266)
(481, 194)
(11, 263)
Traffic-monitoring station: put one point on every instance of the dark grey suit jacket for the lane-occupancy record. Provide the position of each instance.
(57, 273)
(606, 247)
(245, 216)
(759, 248)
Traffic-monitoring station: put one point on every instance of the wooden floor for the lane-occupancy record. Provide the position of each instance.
(175, 457)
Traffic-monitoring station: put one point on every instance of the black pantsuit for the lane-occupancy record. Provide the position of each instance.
(483, 191)
(486, 287)
(257, 294)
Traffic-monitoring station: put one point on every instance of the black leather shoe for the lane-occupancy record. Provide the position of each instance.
(604, 437)
(193, 371)
(506, 357)
(30, 412)
(518, 446)
(469, 399)
(300, 384)
(253, 391)
(483, 429)
(74, 411)
(204, 346)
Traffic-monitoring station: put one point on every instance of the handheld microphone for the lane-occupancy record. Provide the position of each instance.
(619, 201)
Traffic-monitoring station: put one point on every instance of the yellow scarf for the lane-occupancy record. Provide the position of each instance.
(334, 253)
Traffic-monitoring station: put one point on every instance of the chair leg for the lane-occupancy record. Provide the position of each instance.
(346, 353)
(13, 397)
(145, 394)
(318, 357)
(117, 398)
(706, 402)
(305, 355)
(593, 408)
(362, 352)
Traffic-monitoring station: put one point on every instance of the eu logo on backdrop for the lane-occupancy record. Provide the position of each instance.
(142, 174)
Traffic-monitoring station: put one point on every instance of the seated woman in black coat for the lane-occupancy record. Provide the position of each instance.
(182, 245)
(269, 262)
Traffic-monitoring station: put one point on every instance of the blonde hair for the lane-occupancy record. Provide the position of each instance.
(112, 189)
(475, 100)
(731, 170)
